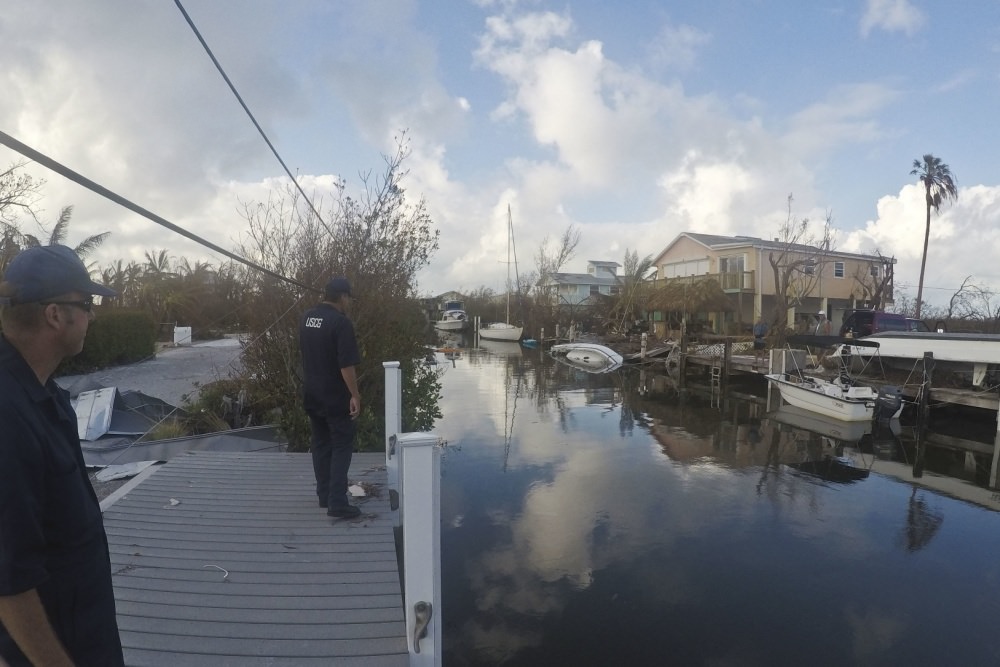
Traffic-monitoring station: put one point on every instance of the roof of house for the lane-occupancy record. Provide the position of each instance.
(599, 262)
(718, 242)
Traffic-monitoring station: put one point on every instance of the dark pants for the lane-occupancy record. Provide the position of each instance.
(332, 448)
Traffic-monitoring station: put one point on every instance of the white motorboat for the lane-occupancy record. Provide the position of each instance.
(833, 398)
(453, 317)
(505, 330)
(589, 356)
(838, 398)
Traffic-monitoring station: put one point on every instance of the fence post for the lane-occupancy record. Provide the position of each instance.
(393, 425)
(421, 480)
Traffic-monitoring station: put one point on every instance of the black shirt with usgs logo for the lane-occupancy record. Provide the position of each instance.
(328, 344)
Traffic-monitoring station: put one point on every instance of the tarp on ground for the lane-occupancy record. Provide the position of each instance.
(116, 451)
(106, 411)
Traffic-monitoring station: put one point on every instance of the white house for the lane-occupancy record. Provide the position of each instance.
(576, 289)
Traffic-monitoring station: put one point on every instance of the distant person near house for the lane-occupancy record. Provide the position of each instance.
(329, 357)
(822, 327)
(759, 345)
(57, 604)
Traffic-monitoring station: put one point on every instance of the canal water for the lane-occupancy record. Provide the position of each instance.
(608, 519)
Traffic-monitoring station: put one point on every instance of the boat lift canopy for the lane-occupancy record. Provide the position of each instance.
(829, 341)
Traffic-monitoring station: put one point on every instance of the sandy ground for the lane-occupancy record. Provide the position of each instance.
(172, 375)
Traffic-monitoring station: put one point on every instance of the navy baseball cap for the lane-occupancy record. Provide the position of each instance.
(43, 272)
(339, 285)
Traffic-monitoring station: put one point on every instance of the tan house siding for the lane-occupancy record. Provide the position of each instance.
(742, 266)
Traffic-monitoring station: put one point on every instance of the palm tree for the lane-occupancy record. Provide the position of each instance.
(939, 185)
(59, 232)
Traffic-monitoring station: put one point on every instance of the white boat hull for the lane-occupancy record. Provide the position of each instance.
(827, 398)
(590, 355)
(450, 325)
(501, 331)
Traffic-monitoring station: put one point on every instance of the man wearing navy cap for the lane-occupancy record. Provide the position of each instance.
(329, 356)
(57, 605)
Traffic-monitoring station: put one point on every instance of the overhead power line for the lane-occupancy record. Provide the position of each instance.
(65, 171)
(218, 66)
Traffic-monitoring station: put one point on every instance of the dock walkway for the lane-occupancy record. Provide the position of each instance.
(225, 559)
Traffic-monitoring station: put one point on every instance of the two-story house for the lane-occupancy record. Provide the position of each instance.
(577, 289)
(827, 280)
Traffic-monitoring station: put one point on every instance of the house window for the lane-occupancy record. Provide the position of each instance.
(694, 267)
(809, 268)
(595, 289)
(838, 269)
(615, 290)
(875, 271)
(732, 264)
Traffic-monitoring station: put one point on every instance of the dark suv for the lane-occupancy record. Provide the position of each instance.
(860, 323)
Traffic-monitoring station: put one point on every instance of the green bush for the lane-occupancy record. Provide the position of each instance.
(116, 337)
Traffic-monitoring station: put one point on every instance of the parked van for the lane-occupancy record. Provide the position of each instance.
(860, 323)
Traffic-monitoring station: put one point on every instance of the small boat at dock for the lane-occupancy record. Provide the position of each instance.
(840, 397)
(453, 317)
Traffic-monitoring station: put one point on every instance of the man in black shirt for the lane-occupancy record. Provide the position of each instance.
(329, 356)
(57, 605)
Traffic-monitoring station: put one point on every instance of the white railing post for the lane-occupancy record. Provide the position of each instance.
(421, 478)
(393, 425)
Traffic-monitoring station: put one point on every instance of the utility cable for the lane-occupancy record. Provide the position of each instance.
(218, 66)
(66, 172)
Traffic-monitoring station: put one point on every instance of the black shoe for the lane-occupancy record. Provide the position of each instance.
(346, 512)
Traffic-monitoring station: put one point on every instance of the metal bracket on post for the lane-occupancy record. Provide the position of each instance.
(422, 612)
(393, 493)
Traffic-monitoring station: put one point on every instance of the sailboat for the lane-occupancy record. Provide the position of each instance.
(504, 330)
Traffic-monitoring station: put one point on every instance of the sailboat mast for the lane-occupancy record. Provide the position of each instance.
(510, 240)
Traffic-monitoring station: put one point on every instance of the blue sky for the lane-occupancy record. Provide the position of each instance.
(634, 121)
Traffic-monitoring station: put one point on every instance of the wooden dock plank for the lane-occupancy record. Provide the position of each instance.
(226, 559)
(147, 658)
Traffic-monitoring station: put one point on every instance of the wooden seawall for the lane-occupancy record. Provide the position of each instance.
(225, 559)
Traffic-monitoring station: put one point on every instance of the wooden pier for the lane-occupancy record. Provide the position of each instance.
(223, 559)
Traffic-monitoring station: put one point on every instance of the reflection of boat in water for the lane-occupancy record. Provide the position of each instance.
(833, 469)
(590, 357)
(807, 420)
(504, 348)
(453, 317)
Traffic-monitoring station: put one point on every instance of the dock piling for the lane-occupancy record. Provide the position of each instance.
(421, 475)
(393, 425)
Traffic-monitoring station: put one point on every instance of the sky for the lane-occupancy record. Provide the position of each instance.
(634, 121)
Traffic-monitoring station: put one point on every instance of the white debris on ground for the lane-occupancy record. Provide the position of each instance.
(356, 491)
(123, 471)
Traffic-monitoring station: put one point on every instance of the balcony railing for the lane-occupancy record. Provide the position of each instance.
(741, 281)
